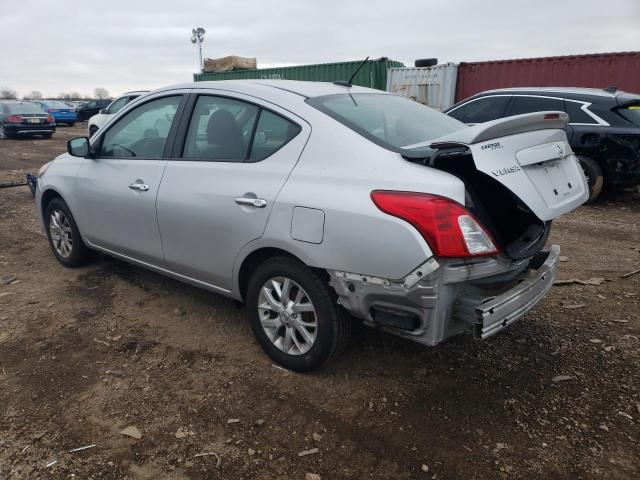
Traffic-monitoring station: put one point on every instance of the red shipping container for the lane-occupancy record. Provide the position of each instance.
(598, 70)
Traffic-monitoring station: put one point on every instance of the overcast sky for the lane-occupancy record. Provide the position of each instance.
(77, 45)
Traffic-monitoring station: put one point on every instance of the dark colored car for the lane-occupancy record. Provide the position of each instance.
(62, 112)
(89, 109)
(24, 118)
(603, 129)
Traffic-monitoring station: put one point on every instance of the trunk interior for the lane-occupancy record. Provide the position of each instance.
(516, 229)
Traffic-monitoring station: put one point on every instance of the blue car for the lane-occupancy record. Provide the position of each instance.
(60, 111)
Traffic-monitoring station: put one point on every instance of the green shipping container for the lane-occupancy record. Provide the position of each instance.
(373, 73)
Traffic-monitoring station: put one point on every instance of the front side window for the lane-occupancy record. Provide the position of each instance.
(388, 120)
(141, 132)
(117, 105)
(523, 105)
(481, 110)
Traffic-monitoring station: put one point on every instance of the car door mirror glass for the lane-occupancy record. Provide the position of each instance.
(79, 147)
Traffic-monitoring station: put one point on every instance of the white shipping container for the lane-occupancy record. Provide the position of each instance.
(433, 86)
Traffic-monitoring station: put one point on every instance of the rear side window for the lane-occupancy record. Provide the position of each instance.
(117, 105)
(481, 110)
(631, 113)
(220, 129)
(576, 114)
(271, 134)
(522, 105)
(230, 130)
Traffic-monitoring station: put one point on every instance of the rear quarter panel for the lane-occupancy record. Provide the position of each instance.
(336, 173)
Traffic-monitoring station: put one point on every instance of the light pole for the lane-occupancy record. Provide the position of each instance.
(197, 36)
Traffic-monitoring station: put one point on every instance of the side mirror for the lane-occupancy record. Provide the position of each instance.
(103, 111)
(79, 147)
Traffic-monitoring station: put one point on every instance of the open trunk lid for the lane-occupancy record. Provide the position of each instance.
(529, 154)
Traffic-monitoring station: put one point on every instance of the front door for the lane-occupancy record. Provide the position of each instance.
(218, 195)
(117, 189)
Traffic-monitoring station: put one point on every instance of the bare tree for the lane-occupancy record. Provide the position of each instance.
(33, 95)
(8, 93)
(101, 93)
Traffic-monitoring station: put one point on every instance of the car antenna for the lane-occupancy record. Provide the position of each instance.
(348, 83)
(611, 89)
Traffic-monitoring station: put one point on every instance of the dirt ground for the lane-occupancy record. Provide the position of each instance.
(86, 353)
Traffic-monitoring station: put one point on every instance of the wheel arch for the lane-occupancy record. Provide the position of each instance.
(255, 258)
(48, 195)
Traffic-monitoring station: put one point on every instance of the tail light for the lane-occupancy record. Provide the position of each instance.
(14, 119)
(50, 119)
(449, 228)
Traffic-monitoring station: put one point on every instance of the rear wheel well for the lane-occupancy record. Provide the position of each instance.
(253, 260)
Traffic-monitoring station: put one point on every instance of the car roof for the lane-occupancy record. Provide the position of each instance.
(297, 87)
(134, 92)
(594, 95)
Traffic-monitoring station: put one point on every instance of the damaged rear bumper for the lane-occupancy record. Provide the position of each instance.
(490, 315)
(446, 297)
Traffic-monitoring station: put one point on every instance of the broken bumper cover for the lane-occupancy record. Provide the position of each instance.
(491, 315)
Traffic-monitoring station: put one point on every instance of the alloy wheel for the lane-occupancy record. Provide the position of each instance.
(287, 316)
(60, 231)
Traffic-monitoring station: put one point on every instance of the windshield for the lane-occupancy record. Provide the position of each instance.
(631, 113)
(388, 120)
(24, 108)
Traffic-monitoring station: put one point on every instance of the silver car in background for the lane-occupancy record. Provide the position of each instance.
(312, 201)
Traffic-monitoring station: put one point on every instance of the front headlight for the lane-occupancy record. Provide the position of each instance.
(44, 168)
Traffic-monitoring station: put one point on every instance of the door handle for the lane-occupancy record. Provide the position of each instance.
(251, 202)
(143, 187)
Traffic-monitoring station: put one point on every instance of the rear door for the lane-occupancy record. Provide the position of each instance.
(116, 190)
(233, 156)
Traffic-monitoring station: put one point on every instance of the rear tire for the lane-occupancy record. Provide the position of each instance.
(71, 124)
(47, 135)
(594, 176)
(312, 305)
(63, 234)
(3, 133)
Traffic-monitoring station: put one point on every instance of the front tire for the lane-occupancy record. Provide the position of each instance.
(595, 178)
(63, 234)
(295, 316)
(71, 124)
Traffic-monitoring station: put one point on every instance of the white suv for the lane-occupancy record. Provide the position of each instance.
(98, 120)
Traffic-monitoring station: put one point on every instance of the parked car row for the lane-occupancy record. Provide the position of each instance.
(24, 118)
(307, 201)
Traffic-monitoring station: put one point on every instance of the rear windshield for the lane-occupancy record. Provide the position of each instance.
(25, 107)
(60, 105)
(388, 120)
(631, 113)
